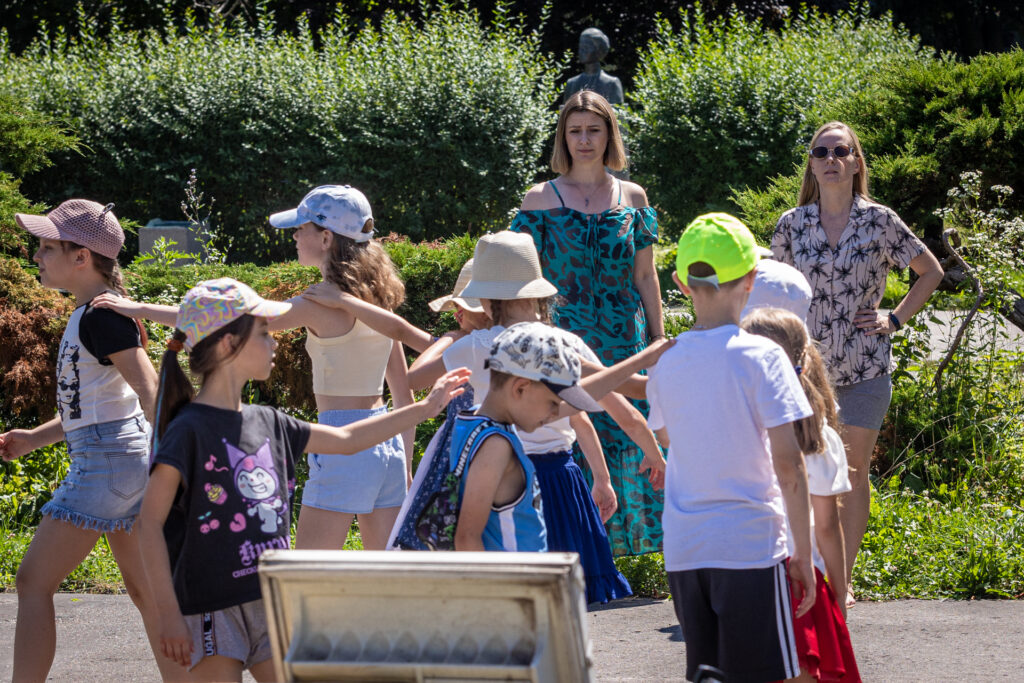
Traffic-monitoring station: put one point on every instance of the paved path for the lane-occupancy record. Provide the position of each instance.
(100, 639)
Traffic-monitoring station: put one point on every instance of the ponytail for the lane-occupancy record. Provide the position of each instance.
(175, 387)
(788, 331)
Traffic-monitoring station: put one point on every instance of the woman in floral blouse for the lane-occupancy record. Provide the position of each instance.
(845, 244)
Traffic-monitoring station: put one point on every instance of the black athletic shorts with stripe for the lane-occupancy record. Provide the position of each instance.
(739, 620)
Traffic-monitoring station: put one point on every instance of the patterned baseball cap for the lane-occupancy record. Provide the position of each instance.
(212, 304)
(721, 241)
(81, 221)
(342, 209)
(545, 354)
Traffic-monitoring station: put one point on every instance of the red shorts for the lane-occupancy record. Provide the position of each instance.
(822, 639)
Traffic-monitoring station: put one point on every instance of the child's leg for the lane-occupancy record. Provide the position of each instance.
(56, 549)
(126, 551)
(263, 671)
(322, 529)
(375, 527)
(217, 668)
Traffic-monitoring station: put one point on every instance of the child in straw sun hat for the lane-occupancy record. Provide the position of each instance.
(507, 279)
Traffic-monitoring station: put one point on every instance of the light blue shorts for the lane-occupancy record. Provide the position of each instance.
(107, 477)
(360, 483)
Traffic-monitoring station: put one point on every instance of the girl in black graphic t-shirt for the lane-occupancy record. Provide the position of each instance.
(219, 493)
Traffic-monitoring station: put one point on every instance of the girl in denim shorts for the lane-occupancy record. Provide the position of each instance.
(334, 232)
(220, 490)
(105, 387)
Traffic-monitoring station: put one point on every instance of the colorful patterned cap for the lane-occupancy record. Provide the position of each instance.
(721, 241)
(212, 304)
(545, 354)
(342, 209)
(81, 221)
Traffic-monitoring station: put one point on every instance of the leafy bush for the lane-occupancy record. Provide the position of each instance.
(921, 123)
(723, 103)
(440, 124)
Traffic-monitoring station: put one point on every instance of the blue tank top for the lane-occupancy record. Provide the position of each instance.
(518, 526)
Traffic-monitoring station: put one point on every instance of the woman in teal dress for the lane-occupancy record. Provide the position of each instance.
(594, 234)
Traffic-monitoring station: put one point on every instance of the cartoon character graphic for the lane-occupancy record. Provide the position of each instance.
(257, 482)
(68, 382)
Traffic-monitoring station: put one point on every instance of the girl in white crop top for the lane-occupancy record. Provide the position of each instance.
(333, 230)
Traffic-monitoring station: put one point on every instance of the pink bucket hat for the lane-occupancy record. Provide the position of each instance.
(81, 221)
(212, 304)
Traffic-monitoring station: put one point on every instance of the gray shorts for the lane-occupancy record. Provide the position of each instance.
(864, 404)
(238, 632)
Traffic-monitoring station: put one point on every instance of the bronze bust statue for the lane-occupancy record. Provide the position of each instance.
(593, 48)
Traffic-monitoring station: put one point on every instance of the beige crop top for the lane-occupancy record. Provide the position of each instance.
(350, 365)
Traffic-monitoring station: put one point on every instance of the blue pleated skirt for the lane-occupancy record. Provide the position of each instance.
(574, 525)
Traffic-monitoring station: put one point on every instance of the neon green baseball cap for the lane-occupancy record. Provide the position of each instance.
(722, 242)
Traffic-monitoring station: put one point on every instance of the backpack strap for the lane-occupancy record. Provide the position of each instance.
(468, 446)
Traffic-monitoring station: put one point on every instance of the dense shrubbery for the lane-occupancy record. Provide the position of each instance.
(440, 123)
(921, 124)
(723, 103)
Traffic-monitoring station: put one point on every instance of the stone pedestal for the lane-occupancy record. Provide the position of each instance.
(183, 234)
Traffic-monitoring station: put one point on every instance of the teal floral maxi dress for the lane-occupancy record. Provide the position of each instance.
(589, 258)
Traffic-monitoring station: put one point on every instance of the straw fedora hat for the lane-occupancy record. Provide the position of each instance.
(506, 266)
(447, 303)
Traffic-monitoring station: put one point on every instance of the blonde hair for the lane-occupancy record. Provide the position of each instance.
(364, 270)
(788, 331)
(809, 184)
(500, 317)
(588, 100)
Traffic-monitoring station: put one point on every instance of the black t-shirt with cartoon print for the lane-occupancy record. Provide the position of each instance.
(238, 477)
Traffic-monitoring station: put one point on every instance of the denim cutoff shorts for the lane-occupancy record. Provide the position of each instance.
(864, 404)
(107, 476)
(360, 483)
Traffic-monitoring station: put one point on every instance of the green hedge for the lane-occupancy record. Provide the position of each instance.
(441, 123)
(723, 103)
(921, 124)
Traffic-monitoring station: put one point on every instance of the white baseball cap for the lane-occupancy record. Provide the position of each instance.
(342, 209)
(544, 354)
(780, 285)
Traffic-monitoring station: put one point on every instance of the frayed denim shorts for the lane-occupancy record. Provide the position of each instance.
(864, 404)
(107, 476)
(360, 483)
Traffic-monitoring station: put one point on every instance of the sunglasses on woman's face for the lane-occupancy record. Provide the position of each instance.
(839, 151)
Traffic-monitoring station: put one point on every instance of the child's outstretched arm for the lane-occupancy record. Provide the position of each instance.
(19, 442)
(175, 639)
(483, 480)
(635, 386)
(363, 434)
(430, 364)
(376, 318)
(788, 461)
(602, 491)
(161, 313)
(635, 427)
(600, 383)
(829, 534)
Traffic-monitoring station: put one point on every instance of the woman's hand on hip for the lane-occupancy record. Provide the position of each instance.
(872, 321)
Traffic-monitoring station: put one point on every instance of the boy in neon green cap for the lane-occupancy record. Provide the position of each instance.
(719, 397)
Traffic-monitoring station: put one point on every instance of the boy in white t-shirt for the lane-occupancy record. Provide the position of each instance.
(726, 400)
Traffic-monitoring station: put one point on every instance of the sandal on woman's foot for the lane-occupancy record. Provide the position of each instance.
(851, 600)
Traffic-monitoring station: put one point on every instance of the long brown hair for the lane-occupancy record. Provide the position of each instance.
(364, 270)
(175, 388)
(788, 331)
(588, 100)
(110, 270)
(809, 184)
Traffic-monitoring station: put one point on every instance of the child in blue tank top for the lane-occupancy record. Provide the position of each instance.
(535, 378)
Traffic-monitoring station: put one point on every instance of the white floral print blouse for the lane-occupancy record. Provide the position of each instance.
(847, 279)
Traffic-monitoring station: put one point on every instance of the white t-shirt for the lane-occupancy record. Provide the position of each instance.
(718, 391)
(827, 475)
(472, 350)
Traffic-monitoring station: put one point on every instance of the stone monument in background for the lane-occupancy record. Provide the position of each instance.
(593, 48)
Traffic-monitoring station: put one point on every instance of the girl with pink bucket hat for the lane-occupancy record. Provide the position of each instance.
(106, 389)
(333, 231)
